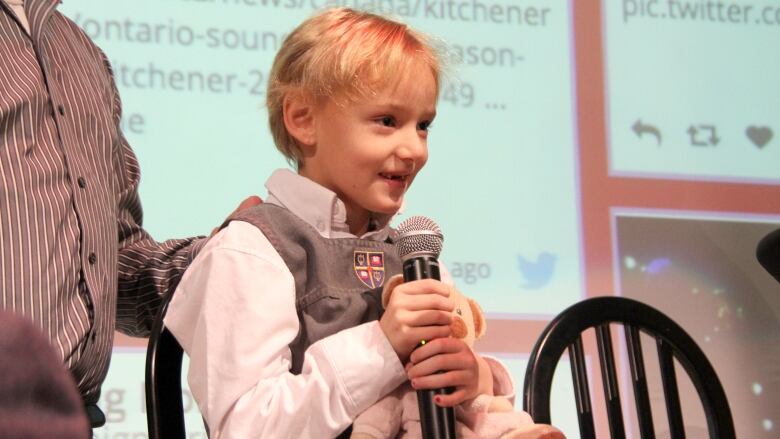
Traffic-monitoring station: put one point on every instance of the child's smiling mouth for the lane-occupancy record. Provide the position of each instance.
(393, 176)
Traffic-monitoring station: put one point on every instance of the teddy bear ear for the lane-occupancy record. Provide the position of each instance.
(388, 289)
(480, 326)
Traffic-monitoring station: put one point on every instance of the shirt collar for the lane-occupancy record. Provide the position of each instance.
(318, 206)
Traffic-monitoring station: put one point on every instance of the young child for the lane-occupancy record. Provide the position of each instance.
(285, 339)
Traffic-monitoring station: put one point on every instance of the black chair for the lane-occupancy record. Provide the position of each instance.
(768, 253)
(564, 332)
(164, 409)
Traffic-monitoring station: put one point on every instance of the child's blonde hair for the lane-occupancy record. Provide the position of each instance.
(346, 54)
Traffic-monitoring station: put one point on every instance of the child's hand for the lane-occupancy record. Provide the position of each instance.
(418, 310)
(449, 362)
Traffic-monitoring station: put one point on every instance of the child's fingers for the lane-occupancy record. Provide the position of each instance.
(455, 378)
(451, 400)
(401, 320)
(424, 286)
(426, 318)
(417, 311)
(404, 322)
(406, 330)
(441, 363)
(419, 302)
(444, 363)
(438, 347)
(427, 333)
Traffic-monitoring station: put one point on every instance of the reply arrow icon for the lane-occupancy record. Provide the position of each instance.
(641, 129)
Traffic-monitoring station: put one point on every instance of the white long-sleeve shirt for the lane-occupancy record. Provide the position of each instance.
(234, 314)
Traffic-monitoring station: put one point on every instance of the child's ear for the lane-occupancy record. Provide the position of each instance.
(298, 111)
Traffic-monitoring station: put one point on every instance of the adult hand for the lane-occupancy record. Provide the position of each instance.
(248, 202)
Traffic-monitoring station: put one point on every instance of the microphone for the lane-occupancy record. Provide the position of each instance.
(419, 243)
(768, 253)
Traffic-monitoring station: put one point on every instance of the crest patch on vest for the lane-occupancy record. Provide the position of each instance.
(370, 267)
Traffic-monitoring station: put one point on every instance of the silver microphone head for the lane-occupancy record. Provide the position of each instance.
(419, 236)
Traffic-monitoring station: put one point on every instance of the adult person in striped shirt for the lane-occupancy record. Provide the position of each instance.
(73, 254)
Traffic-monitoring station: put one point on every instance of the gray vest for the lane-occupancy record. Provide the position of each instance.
(337, 281)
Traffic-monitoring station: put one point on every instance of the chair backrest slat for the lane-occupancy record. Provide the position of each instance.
(609, 380)
(644, 413)
(579, 374)
(675, 345)
(671, 392)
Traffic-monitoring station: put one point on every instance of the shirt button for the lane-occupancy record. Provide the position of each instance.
(61, 109)
(92, 258)
(82, 182)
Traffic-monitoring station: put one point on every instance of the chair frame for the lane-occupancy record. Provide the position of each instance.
(768, 253)
(164, 408)
(564, 332)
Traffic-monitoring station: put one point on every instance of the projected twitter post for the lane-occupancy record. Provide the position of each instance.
(707, 120)
(192, 76)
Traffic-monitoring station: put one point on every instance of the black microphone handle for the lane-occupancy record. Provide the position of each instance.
(436, 422)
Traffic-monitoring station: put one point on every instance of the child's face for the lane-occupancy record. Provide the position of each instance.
(368, 152)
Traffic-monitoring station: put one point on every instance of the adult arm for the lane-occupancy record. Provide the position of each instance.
(147, 269)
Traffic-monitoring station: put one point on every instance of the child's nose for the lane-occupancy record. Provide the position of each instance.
(413, 147)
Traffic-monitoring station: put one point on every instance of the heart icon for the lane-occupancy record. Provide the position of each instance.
(760, 136)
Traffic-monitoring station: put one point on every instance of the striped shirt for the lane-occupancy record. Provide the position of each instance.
(73, 254)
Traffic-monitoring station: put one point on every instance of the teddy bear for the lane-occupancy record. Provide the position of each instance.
(485, 417)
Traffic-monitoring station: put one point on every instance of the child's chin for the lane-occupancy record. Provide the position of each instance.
(388, 205)
(388, 209)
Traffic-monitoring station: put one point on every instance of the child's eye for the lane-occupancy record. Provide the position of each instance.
(387, 121)
(424, 125)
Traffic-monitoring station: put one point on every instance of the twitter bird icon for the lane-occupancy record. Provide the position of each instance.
(536, 274)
